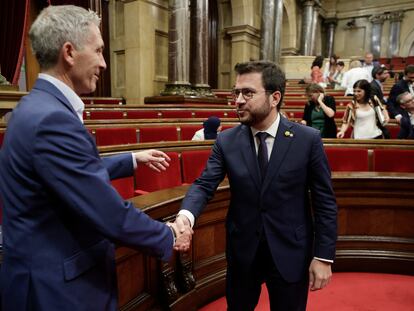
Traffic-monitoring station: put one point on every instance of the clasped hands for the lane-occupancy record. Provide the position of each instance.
(183, 233)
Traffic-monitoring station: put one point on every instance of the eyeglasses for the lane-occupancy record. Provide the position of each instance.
(246, 93)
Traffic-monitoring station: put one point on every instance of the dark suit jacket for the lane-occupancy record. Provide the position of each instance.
(406, 128)
(61, 213)
(376, 90)
(280, 207)
(397, 89)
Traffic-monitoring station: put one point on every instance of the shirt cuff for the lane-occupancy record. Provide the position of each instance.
(134, 161)
(323, 259)
(172, 232)
(189, 215)
(398, 117)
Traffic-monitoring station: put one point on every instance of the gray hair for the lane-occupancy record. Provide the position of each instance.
(400, 98)
(355, 64)
(56, 25)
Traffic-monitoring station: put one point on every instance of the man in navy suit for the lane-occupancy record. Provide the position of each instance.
(281, 224)
(404, 85)
(380, 75)
(60, 212)
(406, 102)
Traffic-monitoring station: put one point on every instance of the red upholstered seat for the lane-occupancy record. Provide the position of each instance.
(105, 115)
(209, 113)
(232, 114)
(348, 132)
(409, 60)
(393, 160)
(160, 133)
(347, 159)
(394, 130)
(176, 114)
(147, 180)
(299, 102)
(142, 114)
(339, 114)
(124, 186)
(295, 114)
(384, 60)
(194, 163)
(227, 126)
(1, 138)
(115, 136)
(188, 131)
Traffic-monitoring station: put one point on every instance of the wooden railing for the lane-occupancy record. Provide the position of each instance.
(375, 235)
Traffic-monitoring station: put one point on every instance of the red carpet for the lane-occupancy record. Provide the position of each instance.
(351, 292)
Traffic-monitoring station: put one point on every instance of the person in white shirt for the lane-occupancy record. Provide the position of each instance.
(369, 64)
(355, 73)
(362, 114)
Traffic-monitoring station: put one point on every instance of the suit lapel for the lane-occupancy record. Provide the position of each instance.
(48, 87)
(280, 148)
(249, 154)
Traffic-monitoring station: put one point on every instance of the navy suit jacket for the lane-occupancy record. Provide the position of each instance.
(406, 128)
(376, 90)
(397, 89)
(61, 213)
(280, 206)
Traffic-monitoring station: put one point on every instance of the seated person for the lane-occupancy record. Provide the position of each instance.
(211, 127)
(319, 111)
(339, 75)
(316, 71)
(406, 102)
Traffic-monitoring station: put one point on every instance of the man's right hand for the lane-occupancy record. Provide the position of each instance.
(184, 233)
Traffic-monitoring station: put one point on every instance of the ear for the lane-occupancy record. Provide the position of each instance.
(276, 96)
(68, 53)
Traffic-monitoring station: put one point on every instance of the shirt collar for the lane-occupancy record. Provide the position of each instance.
(271, 130)
(75, 101)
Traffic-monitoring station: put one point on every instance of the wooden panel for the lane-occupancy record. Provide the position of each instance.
(375, 234)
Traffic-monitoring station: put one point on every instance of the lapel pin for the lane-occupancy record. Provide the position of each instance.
(288, 134)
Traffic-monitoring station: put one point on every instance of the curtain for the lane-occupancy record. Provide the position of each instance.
(13, 24)
(82, 3)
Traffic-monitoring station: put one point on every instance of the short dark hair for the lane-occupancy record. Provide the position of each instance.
(378, 70)
(409, 69)
(366, 86)
(341, 63)
(273, 78)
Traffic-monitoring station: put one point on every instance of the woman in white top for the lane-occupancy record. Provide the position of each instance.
(210, 129)
(366, 115)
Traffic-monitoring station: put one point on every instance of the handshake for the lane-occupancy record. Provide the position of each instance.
(182, 233)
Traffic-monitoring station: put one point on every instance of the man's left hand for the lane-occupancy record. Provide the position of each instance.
(320, 274)
(154, 159)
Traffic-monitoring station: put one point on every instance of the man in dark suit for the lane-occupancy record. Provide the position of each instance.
(380, 75)
(404, 85)
(276, 232)
(60, 212)
(406, 102)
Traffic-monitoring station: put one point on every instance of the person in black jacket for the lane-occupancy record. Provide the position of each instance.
(404, 85)
(406, 102)
(380, 75)
(319, 111)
